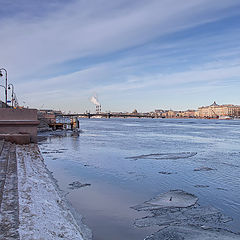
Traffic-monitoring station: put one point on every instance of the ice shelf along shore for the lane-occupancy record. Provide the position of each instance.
(43, 211)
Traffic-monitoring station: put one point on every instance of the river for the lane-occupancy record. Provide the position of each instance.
(128, 161)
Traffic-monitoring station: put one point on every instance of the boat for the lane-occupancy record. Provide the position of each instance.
(225, 118)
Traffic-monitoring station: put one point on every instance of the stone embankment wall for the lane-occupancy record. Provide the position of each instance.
(18, 125)
(43, 123)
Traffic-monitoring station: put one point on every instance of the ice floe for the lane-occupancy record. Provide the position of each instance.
(173, 198)
(201, 186)
(166, 173)
(180, 217)
(163, 156)
(203, 169)
(77, 184)
(192, 233)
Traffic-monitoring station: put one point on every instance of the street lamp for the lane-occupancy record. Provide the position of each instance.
(1, 74)
(15, 100)
(12, 91)
(3, 87)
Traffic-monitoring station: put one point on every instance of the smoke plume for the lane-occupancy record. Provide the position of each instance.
(94, 100)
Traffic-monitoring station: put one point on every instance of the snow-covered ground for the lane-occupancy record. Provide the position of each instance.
(44, 214)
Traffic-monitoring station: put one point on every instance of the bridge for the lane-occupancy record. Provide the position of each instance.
(108, 115)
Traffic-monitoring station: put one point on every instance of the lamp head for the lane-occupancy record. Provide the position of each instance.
(9, 87)
(1, 73)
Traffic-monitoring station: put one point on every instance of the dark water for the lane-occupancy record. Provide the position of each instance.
(198, 156)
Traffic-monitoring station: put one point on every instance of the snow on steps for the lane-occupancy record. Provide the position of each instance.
(43, 213)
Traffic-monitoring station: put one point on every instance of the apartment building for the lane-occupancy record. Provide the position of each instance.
(216, 111)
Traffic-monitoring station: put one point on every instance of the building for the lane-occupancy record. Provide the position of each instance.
(49, 115)
(174, 114)
(216, 111)
(166, 113)
(187, 114)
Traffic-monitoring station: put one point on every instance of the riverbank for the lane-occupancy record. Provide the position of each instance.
(32, 205)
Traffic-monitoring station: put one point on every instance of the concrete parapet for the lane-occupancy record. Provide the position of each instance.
(18, 125)
(16, 138)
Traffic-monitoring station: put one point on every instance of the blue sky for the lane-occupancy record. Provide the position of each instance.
(138, 54)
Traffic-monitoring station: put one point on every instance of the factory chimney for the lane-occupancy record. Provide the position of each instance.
(95, 101)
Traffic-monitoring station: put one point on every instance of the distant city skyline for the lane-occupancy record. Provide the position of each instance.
(139, 54)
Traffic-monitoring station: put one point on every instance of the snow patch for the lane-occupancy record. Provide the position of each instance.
(43, 212)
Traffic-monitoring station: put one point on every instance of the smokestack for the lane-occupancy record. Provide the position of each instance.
(98, 109)
(95, 101)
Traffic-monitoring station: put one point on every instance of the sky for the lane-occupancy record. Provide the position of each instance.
(138, 54)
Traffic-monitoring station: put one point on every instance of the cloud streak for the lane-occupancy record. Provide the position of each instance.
(130, 38)
(71, 33)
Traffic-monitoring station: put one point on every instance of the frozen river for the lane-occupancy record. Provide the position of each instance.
(116, 164)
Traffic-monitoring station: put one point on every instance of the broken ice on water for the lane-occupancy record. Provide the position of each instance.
(179, 208)
(201, 186)
(171, 199)
(192, 233)
(166, 173)
(77, 184)
(164, 156)
(203, 169)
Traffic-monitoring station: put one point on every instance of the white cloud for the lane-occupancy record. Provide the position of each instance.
(86, 28)
(213, 72)
(89, 29)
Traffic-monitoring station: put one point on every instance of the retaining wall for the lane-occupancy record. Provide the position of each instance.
(17, 124)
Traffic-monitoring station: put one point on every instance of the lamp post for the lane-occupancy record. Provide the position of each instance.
(12, 91)
(3, 87)
(15, 100)
(1, 74)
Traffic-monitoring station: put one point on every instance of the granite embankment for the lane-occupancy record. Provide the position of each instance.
(31, 205)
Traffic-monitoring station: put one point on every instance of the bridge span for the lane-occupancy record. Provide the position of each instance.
(107, 115)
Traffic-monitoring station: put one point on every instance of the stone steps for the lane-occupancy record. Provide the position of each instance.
(4, 151)
(1, 146)
(9, 204)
